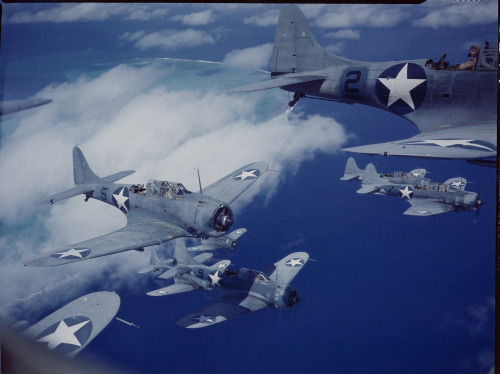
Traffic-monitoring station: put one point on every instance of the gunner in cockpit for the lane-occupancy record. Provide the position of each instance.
(471, 64)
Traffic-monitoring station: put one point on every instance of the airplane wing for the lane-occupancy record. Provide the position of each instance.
(230, 187)
(173, 289)
(368, 189)
(458, 142)
(173, 272)
(220, 311)
(280, 82)
(12, 106)
(427, 208)
(70, 329)
(132, 236)
(287, 268)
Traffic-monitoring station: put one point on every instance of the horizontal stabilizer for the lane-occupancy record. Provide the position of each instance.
(176, 270)
(201, 258)
(173, 289)
(282, 81)
(78, 190)
(368, 189)
(117, 176)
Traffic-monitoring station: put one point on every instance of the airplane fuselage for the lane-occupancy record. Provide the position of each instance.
(199, 215)
(459, 200)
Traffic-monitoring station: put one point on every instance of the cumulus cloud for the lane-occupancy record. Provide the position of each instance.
(360, 15)
(336, 47)
(267, 18)
(128, 118)
(196, 19)
(89, 12)
(254, 57)
(344, 34)
(459, 14)
(169, 39)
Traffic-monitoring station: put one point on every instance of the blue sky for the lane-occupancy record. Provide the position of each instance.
(393, 293)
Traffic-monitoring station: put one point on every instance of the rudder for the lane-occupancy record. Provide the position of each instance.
(295, 48)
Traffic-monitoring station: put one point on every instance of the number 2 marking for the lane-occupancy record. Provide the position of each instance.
(351, 81)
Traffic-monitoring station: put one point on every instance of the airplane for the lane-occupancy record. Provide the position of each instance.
(454, 111)
(182, 268)
(353, 172)
(156, 213)
(224, 242)
(426, 198)
(242, 291)
(12, 106)
(71, 328)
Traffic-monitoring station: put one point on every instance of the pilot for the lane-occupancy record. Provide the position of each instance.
(471, 64)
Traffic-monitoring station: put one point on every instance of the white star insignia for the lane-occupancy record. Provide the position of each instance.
(121, 200)
(204, 319)
(246, 174)
(295, 262)
(72, 252)
(406, 192)
(401, 87)
(221, 266)
(63, 335)
(452, 142)
(457, 184)
(215, 278)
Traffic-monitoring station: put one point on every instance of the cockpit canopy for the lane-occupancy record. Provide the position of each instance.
(165, 189)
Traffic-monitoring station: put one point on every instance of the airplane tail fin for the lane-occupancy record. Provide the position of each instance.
(295, 48)
(351, 170)
(371, 180)
(181, 254)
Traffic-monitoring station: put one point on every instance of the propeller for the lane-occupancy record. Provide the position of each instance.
(479, 202)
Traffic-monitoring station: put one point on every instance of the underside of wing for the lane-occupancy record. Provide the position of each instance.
(427, 208)
(71, 328)
(287, 268)
(459, 142)
(220, 311)
(233, 185)
(133, 236)
(173, 289)
(282, 81)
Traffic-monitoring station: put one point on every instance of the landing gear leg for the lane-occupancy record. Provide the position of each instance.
(296, 97)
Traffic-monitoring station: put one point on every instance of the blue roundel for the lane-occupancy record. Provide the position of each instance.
(121, 199)
(402, 87)
(67, 335)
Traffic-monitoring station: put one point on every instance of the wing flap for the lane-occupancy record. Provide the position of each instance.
(134, 236)
(280, 82)
(233, 185)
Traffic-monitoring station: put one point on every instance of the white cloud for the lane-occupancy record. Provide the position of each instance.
(255, 57)
(89, 12)
(336, 47)
(196, 19)
(360, 15)
(344, 34)
(459, 14)
(169, 39)
(128, 118)
(267, 18)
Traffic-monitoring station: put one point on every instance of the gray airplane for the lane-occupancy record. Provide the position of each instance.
(242, 291)
(455, 111)
(156, 213)
(426, 198)
(71, 328)
(224, 242)
(353, 172)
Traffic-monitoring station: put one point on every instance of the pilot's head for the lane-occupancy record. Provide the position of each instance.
(474, 50)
